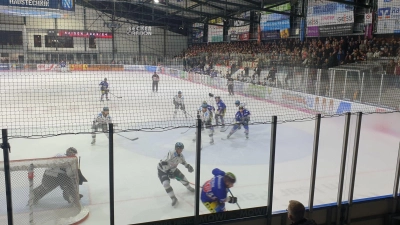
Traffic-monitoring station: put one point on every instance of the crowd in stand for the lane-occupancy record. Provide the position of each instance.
(314, 52)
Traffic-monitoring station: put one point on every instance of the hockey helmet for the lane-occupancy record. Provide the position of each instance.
(241, 107)
(217, 97)
(204, 105)
(230, 177)
(179, 92)
(179, 145)
(205, 102)
(71, 151)
(105, 109)
(105, 79)
(237, 102)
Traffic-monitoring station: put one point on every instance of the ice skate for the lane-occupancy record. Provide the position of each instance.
(190, 188)
(212, 141)
(247, 136)
(229, 135)
(93, 141)
(174, 201)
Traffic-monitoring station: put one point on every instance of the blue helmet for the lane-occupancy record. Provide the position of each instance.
(179, 145)
(179, 92)
(105, 109)
(237, 102)
(204, 105)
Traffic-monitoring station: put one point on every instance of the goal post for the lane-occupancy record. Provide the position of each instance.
(44, 191)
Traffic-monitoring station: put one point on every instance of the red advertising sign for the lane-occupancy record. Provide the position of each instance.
(84, 34)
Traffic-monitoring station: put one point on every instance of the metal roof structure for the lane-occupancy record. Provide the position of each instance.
(178, 15)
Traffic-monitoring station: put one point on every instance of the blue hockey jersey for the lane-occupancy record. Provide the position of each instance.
(103, 85)
(240, 116)
(215, 189)
(221, 106)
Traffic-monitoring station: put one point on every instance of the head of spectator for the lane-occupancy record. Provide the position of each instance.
(296, 211)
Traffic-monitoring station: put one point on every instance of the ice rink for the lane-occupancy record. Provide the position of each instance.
(54, 103)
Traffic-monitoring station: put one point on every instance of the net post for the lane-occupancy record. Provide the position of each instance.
(197, 178)
(314, 164)
(111, 170)
(271, 168)
(6, 147)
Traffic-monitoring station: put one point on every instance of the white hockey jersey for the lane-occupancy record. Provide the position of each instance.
(173, 160)
(178, 100)
(206, 116)
(101, 119)
(54, 172)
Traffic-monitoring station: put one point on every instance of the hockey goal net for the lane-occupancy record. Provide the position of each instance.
(44, 191)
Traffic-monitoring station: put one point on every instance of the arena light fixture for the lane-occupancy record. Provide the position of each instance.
(156, 1)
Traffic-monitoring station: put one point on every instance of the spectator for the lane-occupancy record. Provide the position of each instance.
(296, 211)
(390, 75)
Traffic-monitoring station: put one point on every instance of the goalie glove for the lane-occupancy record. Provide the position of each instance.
(232, 200)
(190, 168)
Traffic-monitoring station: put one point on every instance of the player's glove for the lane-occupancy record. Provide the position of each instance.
(232, 200)
(190, 168)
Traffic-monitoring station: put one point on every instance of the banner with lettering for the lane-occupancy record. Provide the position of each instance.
(68, 5)
(216, 32)
(198, 32)
(240, 31)
(388, 17)
(326, 18)
(275, 25)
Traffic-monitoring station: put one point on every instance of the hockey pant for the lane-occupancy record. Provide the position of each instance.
(49, 183)
(165, 181)
(155, 86)
(230, 89)
(104, 92)
(221, 115)
(245, 124)
(179, 106)
(209, 128)
(96, 127)
(214, 207)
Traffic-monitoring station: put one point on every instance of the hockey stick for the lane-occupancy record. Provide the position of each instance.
(131, 139)
(234, 196)
(114, 95)
(186, 130)
(179, 179)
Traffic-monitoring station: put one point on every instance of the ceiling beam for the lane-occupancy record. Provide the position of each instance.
(352, 3)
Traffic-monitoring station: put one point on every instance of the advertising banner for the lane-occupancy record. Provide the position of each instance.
(198, 32)
(84, 34)
(326, 18)
(215, 33)
(46, 67)
(239, 33)
(274, 25)
(4, 66)
(330, 30)
(68, 5)
(388, 16)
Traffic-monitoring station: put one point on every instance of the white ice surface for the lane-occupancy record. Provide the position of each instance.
(139, 196)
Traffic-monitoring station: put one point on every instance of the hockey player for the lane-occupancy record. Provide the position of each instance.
(179, 104)
(209, 107)
(167, 169)
(242, 117)
(104, 89)
(155, 79)
(101, 122)
(63, 177)
(220, 113)
(205, 116)
(63, 66)
(214, 191)
(230, 86)
(238, 103)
